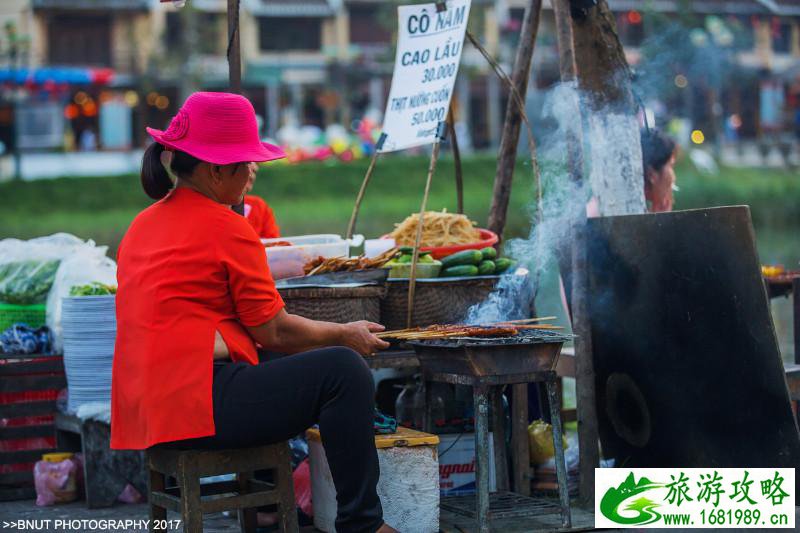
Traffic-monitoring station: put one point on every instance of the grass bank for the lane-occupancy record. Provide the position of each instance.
(318, 197)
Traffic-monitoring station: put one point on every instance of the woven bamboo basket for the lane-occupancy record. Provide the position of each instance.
(443, 301)
(335, 304)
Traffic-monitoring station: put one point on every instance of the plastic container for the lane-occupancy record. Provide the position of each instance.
(56, 479)
(410, 406)
(375, 247)
(288, 261)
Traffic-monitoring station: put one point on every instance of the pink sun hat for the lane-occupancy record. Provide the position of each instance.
(218, 128)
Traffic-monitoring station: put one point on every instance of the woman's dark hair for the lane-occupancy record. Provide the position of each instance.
(657, 149)
(155, 179)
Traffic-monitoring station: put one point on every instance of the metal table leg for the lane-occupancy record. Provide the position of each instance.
(499, 439)
(427, 417)
(554, 399)
(480, 394)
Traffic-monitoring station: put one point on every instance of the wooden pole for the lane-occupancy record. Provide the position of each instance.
(412, 282)
(605, 82)
(234, 53)
(584, 364)
(511, 127)
(352, 225)
(234, 63)
(451, 127)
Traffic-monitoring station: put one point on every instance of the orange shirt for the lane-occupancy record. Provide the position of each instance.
(187, 267)
(261, 217)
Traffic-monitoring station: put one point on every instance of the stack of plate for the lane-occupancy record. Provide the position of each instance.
(90, 328)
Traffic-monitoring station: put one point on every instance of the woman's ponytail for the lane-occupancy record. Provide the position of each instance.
(155, 179)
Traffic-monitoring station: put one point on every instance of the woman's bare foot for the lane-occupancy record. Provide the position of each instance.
(387, 529)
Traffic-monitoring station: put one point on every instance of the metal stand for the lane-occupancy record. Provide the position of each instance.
(485, 506)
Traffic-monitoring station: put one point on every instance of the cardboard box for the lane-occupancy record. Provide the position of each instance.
(457, 464)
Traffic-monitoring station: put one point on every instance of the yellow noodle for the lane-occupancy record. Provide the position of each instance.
(440, 229)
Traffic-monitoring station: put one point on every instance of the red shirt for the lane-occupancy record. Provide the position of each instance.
(261, 217)
(187, 267)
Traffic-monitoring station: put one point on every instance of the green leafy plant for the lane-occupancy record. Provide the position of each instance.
(94, 288)
(27, 282)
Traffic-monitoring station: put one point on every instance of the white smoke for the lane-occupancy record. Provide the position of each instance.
(611, 173)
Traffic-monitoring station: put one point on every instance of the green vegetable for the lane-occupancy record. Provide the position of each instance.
(406, 249)
(467, 257)
(427, 258)
(503, 264)
(404, 259)
(489, 253)
(460, 270)
(27, 282)
(486, 268)
(94, 288)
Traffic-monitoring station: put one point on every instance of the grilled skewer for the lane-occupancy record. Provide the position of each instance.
(442, 332)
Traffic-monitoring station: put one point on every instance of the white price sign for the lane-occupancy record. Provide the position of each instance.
(429, 48)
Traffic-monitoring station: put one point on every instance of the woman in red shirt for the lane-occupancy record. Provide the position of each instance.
(259, 214)
(195, 297)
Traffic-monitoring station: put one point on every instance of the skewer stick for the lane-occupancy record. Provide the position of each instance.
(412, 282)
(451, 127)
(526, 320)
(352, 225)
(540, 326)
(396, 332)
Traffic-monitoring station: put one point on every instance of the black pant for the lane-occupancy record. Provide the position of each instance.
(278, 399)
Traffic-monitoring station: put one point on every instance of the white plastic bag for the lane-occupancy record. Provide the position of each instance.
(28, 268)
(84, 265)
(55, 482)
(80, 262)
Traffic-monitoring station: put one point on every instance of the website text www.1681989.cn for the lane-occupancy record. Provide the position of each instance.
(720, 517)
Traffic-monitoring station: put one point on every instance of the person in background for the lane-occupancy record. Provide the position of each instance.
(658, 161)
(259, 214)
(88, 140)
(658, 156)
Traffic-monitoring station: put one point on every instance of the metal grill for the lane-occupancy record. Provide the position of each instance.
(532, 336)
(502, 505)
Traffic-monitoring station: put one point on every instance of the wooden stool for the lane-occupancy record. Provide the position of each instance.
(244, 494)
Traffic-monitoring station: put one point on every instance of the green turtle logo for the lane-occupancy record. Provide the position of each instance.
(626, 493)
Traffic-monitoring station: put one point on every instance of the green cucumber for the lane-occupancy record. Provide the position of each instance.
(467, 257)
(406, 249)
(459, 271)
(503, 264)
(486, 268)
(489, 253)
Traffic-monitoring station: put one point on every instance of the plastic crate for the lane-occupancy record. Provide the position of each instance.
(34, 315)
(30, 387)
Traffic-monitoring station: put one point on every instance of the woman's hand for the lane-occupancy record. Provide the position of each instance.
(360, 336)
(288, 333)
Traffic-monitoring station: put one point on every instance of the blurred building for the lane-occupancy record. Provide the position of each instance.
(110, 66)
